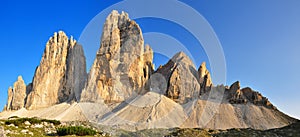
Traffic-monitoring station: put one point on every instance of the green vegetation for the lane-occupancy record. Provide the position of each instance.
(15, 130)
(20, 121)
(190, 133)
(75, 130)
(17, 127)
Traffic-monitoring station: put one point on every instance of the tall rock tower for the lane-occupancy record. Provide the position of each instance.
(61, 74)
(122, 65)
(205, 78)
(16, 95)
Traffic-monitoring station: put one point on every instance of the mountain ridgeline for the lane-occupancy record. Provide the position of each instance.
(123, 75)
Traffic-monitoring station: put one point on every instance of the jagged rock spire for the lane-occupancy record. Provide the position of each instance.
(205, 78)
(16, 95)
(60, 75)
(122, 65)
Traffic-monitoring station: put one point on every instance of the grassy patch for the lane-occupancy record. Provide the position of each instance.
(20, 121)
(75, 130)
(189, 132)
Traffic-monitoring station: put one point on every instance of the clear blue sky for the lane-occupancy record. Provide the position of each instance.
(260, 39)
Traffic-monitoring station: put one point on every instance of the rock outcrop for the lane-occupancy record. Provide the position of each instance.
(257, 98)
(60, 75)
(10, 94)
(205, 78)
(236, 95)
(182, 78)
(122, 65)
(16, 95)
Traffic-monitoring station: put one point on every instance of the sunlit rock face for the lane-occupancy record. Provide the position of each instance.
(236, 95)
(182, 78)
(61, 74)
(16, 95)
(205, 78)
(122, 65)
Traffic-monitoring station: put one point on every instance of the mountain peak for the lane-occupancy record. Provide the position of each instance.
(122, 65)
(60, 74)
(205, 78)
(182, 58)
(16, 95)
(180, 54)
(20, 78)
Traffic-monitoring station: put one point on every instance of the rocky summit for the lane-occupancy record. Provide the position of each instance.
(16, 95)
(60, 77)
(122, 65)
(123, 91)
(182, 79)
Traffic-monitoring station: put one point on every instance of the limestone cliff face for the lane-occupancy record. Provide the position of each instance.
(16, 95)
(60, 75)
(75, 75)
(122, 65)
(10, 94)
(182, 78)
(205, 78)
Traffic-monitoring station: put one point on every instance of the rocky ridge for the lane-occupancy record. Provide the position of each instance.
(122, 78)
(236, 95)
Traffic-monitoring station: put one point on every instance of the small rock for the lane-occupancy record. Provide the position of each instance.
(52, 125)
(27, 123)
(11, 125)
(30, 133)
(50, 131)
(38, 126)
(45, 124)
(7, 131)
(24, 131)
